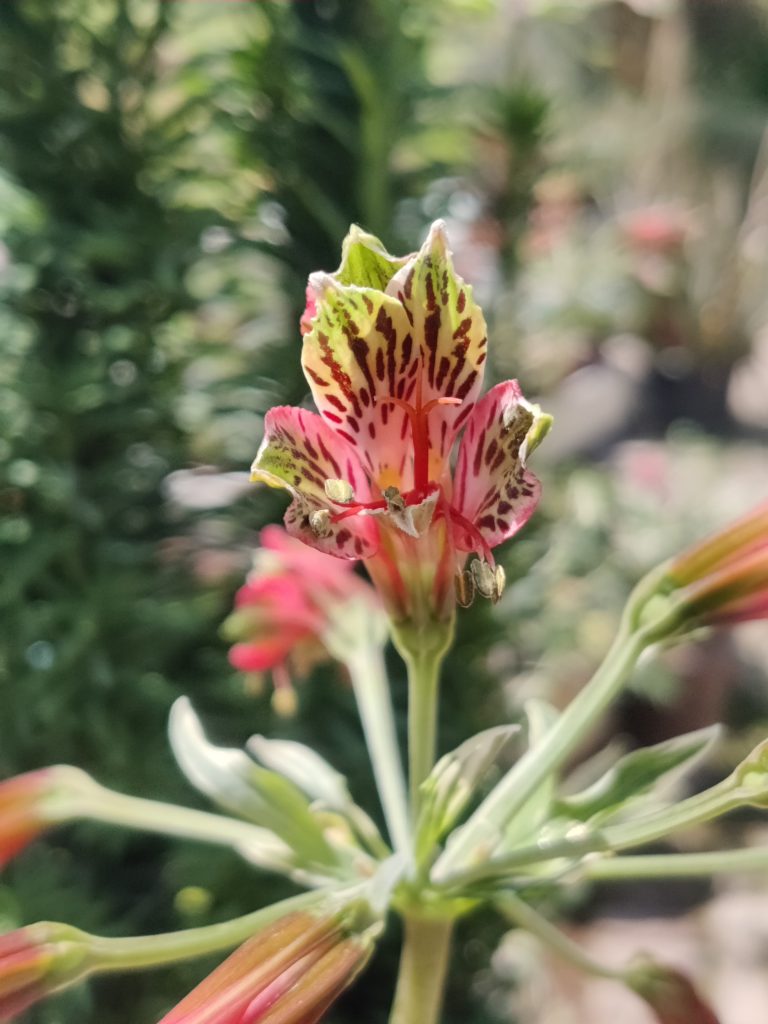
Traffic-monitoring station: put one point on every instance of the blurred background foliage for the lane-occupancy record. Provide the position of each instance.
(170, 172)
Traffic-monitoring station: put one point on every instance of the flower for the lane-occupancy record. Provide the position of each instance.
(36, 961)
(724, 579)
(288, 611)
(394, 351)
(670, 995)
(289, 973)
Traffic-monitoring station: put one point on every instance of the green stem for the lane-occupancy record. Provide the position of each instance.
(144, 951)
(525, 917)
(97, 803)
(423, 681)
(512, 792)
(423, 968)
(677, 865)
(369, 681)
(712, 803)
(702, 807)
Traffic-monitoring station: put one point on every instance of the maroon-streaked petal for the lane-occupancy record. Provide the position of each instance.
(300, 452)
(359, 354)
(450, 331)
(493, 490)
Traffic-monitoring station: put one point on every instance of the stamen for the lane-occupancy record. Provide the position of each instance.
(417, 415)
(472, 535)
(340, 492)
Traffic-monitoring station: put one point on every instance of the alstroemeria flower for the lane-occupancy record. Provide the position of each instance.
(287, 613)
(289, 973)
(394, 360)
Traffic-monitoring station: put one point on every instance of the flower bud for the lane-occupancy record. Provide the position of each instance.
(721, 580)
(289, 973)
(32, 803)
(670, 995)
(36, 961)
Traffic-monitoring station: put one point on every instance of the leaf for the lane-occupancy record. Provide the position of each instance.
(305, 768)
(636, 773)
(232, 780)
(454, 781)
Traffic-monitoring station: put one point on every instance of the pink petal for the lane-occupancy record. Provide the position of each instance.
(300, 452)
(492, 488)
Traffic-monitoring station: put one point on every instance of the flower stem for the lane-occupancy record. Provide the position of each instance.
(525, 917)
(138, 952)
(423, 968)
(677, 865)
(423, 680)
(512, 792)
(97, 803)
(369, 681)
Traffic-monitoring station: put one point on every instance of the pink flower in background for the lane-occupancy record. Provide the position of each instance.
(285, 609)
(394, 359)
(289, 973)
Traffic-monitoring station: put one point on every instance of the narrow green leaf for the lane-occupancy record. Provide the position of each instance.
(636, 773)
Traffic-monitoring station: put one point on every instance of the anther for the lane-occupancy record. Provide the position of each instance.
(339, 491)
(489, 581)
(465, 588)
(320, 523)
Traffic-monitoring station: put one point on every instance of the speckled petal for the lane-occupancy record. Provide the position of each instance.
(359, 353)
(299, 453)
(451, 335)
(493, 490)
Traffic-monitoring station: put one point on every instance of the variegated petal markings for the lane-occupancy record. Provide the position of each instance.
(300, 452)
(492, 487)
(359, 354)
(365, 262)
(452, 336)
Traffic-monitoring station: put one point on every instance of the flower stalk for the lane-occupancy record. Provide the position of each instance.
(423, 969)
